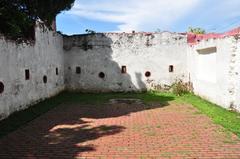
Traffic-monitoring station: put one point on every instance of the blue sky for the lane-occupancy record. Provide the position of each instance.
(149, 15)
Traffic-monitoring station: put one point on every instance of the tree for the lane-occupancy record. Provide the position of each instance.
(46, 10)
(18, 17)
(88, 31)
(196, 30)
(14, 23)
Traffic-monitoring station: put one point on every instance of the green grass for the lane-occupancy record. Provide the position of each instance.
(96, 98)
(228, 119)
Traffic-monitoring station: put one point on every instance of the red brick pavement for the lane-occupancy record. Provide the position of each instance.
(121, 131)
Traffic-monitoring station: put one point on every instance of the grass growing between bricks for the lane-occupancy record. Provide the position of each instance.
(228, 119)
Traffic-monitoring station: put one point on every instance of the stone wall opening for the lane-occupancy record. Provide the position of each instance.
(124, 69)
(45, 79)
(78, 70)
(27, 74)
(171, 68)
(57, 71)
(147, 74)
(101, 75)
(1, 87)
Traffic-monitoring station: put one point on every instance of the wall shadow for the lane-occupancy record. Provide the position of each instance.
(56, 134)
(99, 71)
(140, 83)
(68, 130)
(107, 109)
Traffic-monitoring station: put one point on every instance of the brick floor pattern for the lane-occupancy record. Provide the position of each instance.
(134, 131)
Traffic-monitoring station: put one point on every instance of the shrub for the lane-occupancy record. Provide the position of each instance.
(179, 88)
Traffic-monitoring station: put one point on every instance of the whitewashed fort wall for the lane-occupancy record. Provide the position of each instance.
(116, 62)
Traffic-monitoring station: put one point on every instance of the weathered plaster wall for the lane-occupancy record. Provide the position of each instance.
(212, 65)
(42, 59)
(224, 89)
(234, 73)
(139, 52)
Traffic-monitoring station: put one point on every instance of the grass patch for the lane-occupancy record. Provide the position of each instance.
(167, 154)
(97, 98)
(158, 126)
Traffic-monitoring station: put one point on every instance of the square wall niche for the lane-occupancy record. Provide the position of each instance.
(170, 68)
(124, 69)
(207, 64)
(78, 70)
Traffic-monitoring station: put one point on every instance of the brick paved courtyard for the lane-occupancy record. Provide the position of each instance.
(121, 131)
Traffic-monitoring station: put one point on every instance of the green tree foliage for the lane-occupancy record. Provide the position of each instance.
(18, 17)
(46, 10)
(88, 31)
(196, 30)
(14, 23)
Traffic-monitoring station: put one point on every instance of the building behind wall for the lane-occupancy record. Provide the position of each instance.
(118, 62)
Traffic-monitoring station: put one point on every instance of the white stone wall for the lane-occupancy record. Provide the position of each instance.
(41, 58)
(213, 66)
(234, 73)
(139, 52)
(222, 89)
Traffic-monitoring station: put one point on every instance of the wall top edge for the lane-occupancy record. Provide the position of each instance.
(123, 33)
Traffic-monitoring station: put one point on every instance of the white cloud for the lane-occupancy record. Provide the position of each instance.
(136, 15)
